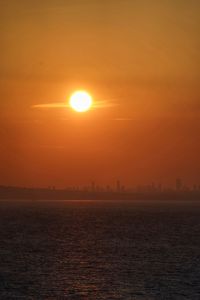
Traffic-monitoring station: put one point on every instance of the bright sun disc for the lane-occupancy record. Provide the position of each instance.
(80, 101)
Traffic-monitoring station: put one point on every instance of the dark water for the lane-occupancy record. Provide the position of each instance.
(99, 250)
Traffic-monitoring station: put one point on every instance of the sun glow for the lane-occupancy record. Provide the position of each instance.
(80, 101)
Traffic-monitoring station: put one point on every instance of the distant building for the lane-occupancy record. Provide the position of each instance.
(159, 187)
(108, 189)
(179, 184)
(194, 187)
(93, 186)
(118, 186)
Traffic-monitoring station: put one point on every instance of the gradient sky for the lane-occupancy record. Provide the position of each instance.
(142, 56)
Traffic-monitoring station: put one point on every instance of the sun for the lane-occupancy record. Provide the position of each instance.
(80, 101)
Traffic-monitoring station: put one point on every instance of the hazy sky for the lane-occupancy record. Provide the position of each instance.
(141, 55)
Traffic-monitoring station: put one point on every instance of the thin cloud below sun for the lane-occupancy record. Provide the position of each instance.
(96, 104)
(80, 101)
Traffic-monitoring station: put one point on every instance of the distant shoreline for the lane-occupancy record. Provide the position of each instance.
(19, 193)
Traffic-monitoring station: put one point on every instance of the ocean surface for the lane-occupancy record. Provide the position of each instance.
(99, 250)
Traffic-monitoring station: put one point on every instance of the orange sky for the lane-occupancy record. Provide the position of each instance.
(141, 55)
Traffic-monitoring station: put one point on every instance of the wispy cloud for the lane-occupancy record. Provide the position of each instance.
(123, 119)
(51, 105)
(96, 104)
(104, 103)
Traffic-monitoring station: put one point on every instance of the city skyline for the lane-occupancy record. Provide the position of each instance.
(179, 185)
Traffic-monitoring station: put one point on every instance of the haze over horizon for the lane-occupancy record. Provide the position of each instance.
(141, 57)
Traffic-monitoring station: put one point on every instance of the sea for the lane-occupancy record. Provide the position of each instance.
(100, 250)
